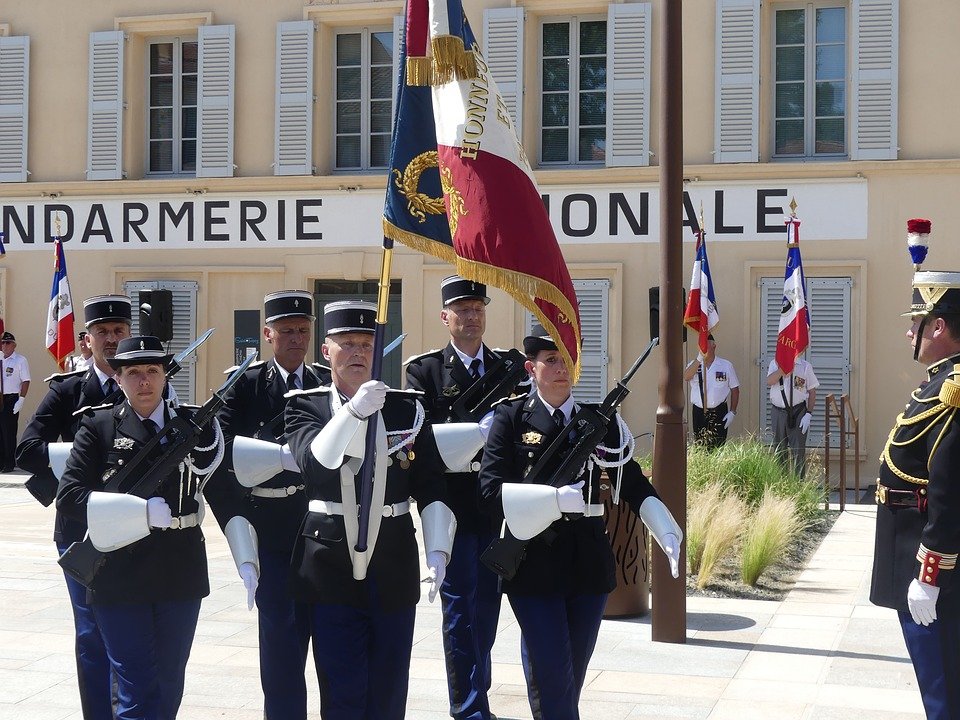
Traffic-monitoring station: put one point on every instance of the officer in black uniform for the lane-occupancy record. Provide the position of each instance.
(363, 603)
(276, 504)
(146, 598)
(561, 586)
(470, 593)
(918, 498)
(107, 319)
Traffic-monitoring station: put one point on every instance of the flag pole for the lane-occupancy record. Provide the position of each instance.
(702, 375)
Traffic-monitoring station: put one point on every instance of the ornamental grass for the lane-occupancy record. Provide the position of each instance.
(721, 534)
(774, 525)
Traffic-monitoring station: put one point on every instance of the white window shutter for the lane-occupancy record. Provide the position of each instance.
(875, 45)
(736, 120)
(628, 84)
(293, 146)
(217, 60)
(771, 301)
(829, 350)
(503, 53)
(398, 30)
(14, 106)
(105, 106)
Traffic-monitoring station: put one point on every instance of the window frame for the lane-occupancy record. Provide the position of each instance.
(573, 121)
(366, 32)
(177, 155)
(810, 81)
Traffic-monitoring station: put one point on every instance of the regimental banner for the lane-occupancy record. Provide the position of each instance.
(833, 210)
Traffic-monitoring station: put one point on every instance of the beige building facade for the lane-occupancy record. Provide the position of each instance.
(227, 149)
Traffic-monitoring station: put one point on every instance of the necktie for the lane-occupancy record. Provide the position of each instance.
(559, 418)
(111, 387)
(292, 381)
(475, 368)
(151, 427)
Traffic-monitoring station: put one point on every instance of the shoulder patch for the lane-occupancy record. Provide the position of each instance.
(63, 376)
(436, 351)
(950, 392)
(312, 391)
(508, 399)
(90, 409)
(256, 364)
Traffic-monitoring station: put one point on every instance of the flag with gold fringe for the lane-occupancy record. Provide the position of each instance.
(460, 187)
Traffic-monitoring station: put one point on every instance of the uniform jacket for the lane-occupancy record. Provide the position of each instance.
(321, 567)
(254, 408)
(167, 564)
(922, 453)
(55, 421)
(571, 556)
(441, 376)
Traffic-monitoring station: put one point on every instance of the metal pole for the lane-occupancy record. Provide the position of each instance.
(669, 623)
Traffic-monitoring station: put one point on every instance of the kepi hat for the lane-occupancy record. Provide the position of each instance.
(287, 303)
(345, 316)
(538, 339)
(454, 287)
(106, 308)
(140, 350)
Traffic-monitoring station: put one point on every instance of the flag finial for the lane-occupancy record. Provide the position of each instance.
(793, 207)
(56, 224)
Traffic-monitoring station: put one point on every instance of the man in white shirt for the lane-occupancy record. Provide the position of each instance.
(16, 382)
(719, 382)
(792, 397)
(85, 357)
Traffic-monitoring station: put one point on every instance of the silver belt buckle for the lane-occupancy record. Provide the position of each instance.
(175, 523)
(291, 489)
(388, 510)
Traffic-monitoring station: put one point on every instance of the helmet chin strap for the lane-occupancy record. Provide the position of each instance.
(918, 337)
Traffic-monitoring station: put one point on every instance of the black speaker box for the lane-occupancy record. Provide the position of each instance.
(156, 314)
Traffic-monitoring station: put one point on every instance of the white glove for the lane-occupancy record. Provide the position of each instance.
(158, 513)
(369, 399)
(728, 419)
(248, 573)
(287, 461)
(17, 405)
(485, 422)
(437, 565)
(672, 550)
(570, 498)
(805, 422)
(922, 601)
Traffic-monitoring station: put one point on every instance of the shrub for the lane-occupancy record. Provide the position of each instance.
(721, 534)
(702, 503)
(771, 529)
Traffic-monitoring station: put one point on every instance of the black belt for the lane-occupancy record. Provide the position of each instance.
(902, 498)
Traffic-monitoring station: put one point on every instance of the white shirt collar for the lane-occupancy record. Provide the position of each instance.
(284, 374)
(103, 377)
(158, 415)
(467, 360)
(567, 407)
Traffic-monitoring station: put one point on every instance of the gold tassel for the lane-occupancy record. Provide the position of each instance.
(419, 71)
(451, 61)
(950, 393)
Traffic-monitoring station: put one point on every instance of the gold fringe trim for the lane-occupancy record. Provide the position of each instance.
(451, 60)
(950, 393)
(419, 71)
(519, 286)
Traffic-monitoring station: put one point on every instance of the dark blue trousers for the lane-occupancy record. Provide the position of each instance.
(363, 661)
(148, 645)
(558, 636)
(284, 640)
(93, 666)
(935, 653)
(470, 597)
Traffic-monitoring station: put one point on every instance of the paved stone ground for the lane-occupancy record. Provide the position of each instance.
(824, 653)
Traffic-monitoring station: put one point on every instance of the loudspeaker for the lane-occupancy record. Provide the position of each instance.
(156, 314)
(655, 313)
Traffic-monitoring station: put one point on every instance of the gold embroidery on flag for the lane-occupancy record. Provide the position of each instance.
(419, 204)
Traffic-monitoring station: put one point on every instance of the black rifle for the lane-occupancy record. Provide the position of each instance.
(146, 472)
(562, 462)
(496, 383)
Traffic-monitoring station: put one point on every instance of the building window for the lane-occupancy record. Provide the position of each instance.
(810, 88)
(172, 113)
(364, 91)
(573, 91)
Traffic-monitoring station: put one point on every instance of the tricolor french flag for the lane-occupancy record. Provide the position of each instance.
(60, 339)
(794, 334)
(701, 314)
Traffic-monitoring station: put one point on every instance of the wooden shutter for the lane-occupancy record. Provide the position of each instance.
(503, 53)
(737, 82)
(215, 100)
(875, 43)
(14, 107)
(293, 146)
(628, 84)
(184, 328)
(105, 106)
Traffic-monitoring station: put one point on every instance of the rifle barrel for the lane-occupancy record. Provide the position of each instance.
(639, 361)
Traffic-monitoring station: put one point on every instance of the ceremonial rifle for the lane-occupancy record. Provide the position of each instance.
(147, 471)
(562, 462)
(474, 402)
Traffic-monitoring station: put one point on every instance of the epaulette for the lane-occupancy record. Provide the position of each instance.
(89, 409)
(422, 355)
(311, 391)
(257, 363)
(508, 399)
(950, 390)
(62, 376)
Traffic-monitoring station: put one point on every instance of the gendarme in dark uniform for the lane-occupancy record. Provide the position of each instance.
(561, 586)
(107, 319)
(275, 505)
(918, 501)
(363, 603)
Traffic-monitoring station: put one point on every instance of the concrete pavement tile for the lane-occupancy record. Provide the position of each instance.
(813, 607)
(779, 666)
(756, 710)
(868, 698)
(870, 674)
(796, 638)
(787, 690)
(784, 620)
(657, 683)
(872, 612)
(33, 711)
(42, 688)
(832, 713)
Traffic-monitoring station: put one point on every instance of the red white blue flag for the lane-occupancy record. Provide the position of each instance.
(701, 314)
(460, 186)
(794, 334)
(60, 339)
